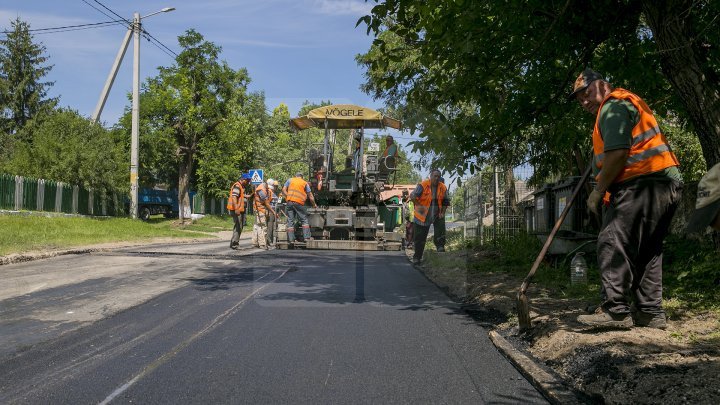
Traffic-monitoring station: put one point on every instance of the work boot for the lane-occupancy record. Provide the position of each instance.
(441, 248)
(648, 320)
(415, 261)
(605, 319)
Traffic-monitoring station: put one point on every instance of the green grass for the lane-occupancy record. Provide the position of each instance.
(691, 276)
(35, 233)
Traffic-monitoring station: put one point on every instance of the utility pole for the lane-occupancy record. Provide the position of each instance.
(135, 131)
(135, 30)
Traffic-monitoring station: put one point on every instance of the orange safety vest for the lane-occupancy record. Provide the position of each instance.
(422, 204)
(236, 202)
(649, 152)
(259, 206)
(296, 190)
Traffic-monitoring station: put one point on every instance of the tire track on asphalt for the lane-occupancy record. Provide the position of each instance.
(219, 320)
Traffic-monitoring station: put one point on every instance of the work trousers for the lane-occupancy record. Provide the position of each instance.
(629, 246)
(264, 229)
(421, 232)
(238, 220)
(297, 212)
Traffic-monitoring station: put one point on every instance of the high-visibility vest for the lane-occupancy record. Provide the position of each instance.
(649, 152)
(296, 190)
(422, 203)
(259, 206)
(236, 198)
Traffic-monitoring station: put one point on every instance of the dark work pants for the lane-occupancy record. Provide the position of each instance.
(629, 246)
(239, 221)
(270, 234)
(421, 232)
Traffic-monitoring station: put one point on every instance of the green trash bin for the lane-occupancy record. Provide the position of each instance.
(389, 215)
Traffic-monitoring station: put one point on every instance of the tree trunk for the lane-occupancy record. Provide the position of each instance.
(185, 168)
(687, 69)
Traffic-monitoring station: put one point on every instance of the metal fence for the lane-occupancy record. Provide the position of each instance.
(23, 193)
(497, 203)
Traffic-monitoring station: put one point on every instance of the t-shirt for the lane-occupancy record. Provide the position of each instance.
(617, 119)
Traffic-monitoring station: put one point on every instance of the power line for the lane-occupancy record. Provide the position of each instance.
(158, 41)
(126, 22)
(108, 9)
(67, 28)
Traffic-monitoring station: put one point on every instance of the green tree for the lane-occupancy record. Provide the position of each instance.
(23, 94)
(195, 107)
(70, 148)
(489, 79)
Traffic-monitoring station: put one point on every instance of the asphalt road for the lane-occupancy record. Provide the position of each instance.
(201, 323)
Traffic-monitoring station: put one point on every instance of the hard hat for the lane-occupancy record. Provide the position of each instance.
(246, 176)
(271, 182)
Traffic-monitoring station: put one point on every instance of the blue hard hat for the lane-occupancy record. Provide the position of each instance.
(246, 176)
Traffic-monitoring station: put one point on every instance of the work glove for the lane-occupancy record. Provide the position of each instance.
(593, 202)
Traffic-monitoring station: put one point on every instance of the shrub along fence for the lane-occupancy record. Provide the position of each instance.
(24, 193)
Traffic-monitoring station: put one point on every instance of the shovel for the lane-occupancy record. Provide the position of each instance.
(523, 302)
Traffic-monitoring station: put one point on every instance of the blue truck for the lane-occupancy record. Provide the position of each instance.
(153, 202)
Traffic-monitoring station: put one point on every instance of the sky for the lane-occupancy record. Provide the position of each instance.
(294, 50)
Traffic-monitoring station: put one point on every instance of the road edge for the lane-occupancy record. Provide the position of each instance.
(31, 256)
(552, 388)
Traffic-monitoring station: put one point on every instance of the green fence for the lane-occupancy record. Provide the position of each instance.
(18, 193)
(7, 192)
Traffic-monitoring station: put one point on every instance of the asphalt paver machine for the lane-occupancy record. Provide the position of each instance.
(348, 196)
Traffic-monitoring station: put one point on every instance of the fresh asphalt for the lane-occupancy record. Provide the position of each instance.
(252, 327)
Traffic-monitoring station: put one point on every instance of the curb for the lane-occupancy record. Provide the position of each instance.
(27, 257)
(549, 386)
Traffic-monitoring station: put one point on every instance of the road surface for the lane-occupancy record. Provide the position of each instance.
(200, 323)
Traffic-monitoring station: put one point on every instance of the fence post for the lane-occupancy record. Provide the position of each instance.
(40, 203)
(18, 192)
(75, 195)
(91, 200)
(58, 196)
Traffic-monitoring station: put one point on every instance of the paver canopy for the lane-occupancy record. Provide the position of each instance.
(343, 116)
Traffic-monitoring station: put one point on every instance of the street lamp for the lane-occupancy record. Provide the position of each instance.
(134, 29)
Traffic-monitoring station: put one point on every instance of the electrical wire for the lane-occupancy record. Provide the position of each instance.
(127, 23)
(160, 43)
(67, 28)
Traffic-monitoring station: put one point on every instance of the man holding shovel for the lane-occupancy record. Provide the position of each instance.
(638, 178)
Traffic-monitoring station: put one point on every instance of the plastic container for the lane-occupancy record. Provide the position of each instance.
(544, 209)
(578, 269)
(577, 216)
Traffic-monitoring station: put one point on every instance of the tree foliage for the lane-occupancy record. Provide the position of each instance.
(196, 108)
(23, 93)
(70, 148)
(488, 80)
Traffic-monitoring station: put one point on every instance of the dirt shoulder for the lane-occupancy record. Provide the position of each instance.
(640, 365)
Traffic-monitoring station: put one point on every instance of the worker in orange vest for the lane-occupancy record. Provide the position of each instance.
(236, 207)
(430, 202)
(264, 215)
(296, 191)
(635, 167)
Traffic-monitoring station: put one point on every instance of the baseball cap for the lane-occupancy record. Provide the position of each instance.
(271, 182)
(583, 81)
(246, 176)
(707, 205)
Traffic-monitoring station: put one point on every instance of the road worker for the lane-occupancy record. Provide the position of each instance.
(236, 207)
(389, 156)
(430, 202)
(263, 232)
(296, 191)
(637, 174)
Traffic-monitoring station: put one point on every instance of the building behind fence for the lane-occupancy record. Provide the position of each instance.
(497, 204)
(23, 193)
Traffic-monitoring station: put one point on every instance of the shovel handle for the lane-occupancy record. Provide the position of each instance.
(551, 236)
